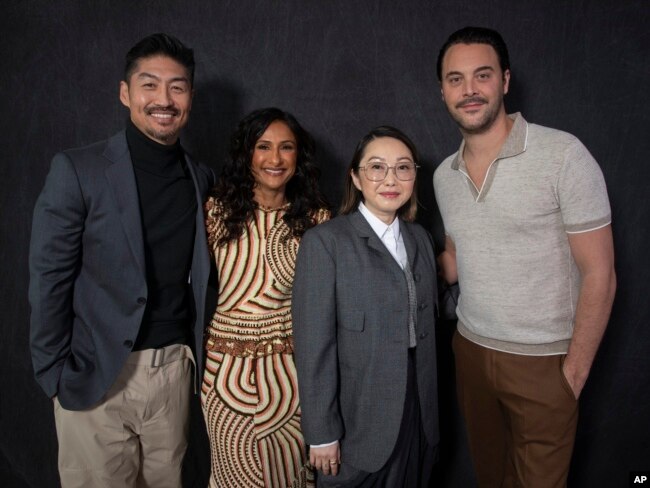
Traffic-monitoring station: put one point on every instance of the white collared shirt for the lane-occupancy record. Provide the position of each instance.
(390, 235)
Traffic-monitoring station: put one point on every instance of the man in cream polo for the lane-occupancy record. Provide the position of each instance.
(528, 237)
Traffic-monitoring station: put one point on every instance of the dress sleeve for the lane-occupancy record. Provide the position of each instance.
(322, 215)
(213, 221)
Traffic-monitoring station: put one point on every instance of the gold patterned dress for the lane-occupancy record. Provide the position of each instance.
(249, 392)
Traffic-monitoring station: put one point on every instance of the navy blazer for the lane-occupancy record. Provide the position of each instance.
(350, 324)
(88, 287)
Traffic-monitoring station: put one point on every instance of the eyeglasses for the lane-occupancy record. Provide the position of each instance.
(379, 171)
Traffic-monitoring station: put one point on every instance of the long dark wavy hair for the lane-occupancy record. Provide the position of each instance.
(234, 189)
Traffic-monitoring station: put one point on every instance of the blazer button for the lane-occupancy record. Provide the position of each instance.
(422, 306)
(416, 277)
(142, 300)
(424, 335)
(128, 344)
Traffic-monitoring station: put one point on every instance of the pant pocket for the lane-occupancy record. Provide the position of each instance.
(565, 383)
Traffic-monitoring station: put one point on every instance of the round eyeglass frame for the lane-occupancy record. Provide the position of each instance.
(388, 168)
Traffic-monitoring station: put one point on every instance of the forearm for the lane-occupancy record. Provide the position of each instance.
(592, 314)
(50, 329)
(50, 325)
(447, 266)
(447, 262)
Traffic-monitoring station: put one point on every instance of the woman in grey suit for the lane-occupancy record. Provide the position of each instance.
(363, 307)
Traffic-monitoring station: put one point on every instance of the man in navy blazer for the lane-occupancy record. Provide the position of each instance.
(119, 267)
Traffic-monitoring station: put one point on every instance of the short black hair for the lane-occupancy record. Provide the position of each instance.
(159, 44)
(476, 35)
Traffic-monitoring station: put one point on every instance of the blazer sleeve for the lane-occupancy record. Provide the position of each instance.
(54, 258)
(314, 330)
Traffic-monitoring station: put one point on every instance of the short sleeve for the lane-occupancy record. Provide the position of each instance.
(581, 191)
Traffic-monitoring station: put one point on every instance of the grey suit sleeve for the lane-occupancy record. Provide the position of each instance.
(314, 329)
(54, 257)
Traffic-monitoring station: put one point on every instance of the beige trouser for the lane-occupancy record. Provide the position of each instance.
(137, 435)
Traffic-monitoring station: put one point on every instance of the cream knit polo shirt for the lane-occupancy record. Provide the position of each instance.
(519, 283)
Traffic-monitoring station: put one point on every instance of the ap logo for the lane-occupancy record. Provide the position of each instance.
(640, 478)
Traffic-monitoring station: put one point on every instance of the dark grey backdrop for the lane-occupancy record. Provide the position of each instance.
(341, 67)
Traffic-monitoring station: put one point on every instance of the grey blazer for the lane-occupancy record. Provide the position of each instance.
(350, 316)
(87, 285)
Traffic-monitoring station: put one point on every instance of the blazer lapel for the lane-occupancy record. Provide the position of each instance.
(374, 242)
(121, 179)
(409, 242)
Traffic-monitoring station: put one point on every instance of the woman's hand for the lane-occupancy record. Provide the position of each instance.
(326, 459)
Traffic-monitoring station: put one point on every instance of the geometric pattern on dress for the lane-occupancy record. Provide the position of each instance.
(252, 412)
(281, 252)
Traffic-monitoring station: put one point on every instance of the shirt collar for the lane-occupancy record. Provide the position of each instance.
(514, 144)
(377, 225)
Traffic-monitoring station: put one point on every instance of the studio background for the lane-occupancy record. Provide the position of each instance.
(341, 67)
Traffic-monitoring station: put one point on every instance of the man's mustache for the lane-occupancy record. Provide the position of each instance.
(471, 101)
(159, 109)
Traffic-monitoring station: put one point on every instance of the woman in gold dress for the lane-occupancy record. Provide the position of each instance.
(265, 199)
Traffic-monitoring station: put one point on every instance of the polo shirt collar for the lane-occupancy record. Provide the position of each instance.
(515, 143)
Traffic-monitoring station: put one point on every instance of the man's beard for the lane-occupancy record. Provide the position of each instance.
(162, 135)
(165, 136)
(485, 122)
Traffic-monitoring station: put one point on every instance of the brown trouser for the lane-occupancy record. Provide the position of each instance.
(520, 413)
(137, 435)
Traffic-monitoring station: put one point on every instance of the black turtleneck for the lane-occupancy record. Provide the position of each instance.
(168, 209)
